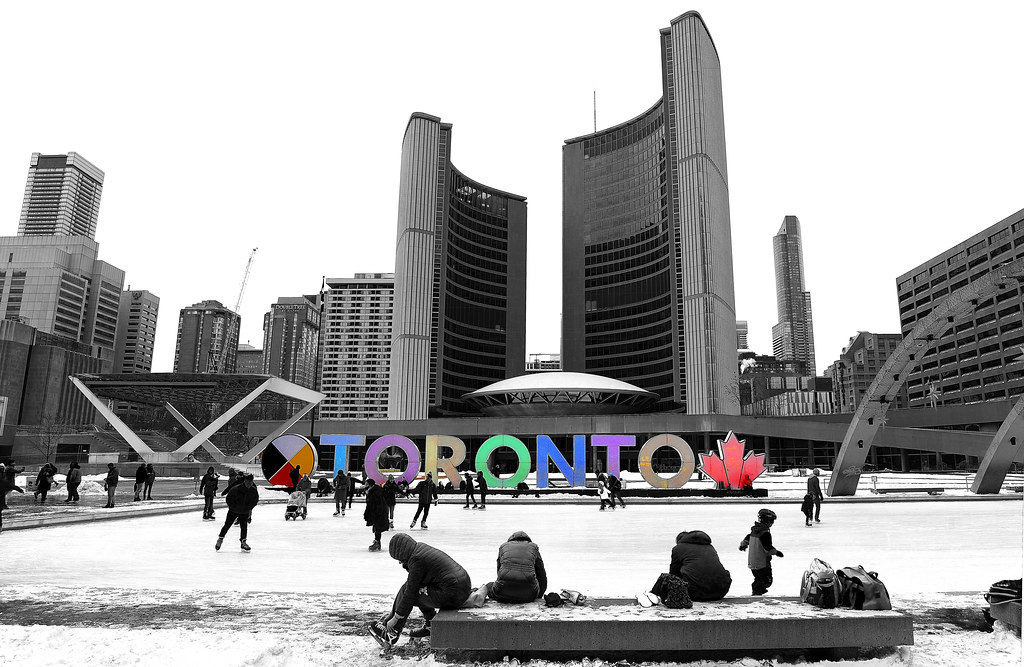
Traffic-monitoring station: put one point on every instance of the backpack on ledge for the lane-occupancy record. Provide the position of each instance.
(862, 589)
(820, 585)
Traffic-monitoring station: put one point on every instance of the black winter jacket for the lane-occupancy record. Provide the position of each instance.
(481, 484)
(521, 575)
(241, 500)
(428, 567)
(696, 561)
(376, 512)
(426, 491)
(390, 492)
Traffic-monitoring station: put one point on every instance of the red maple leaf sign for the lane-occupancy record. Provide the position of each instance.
(730, 466)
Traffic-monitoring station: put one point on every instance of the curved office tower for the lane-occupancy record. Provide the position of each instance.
(460, 281)
(648, 293)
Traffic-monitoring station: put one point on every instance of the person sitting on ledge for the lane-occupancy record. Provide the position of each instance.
(696, 561)
(521, 575)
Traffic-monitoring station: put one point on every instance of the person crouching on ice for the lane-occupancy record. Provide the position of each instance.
(761, 550)
(435, 582)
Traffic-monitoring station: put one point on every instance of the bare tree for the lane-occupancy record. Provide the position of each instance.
(48, 436)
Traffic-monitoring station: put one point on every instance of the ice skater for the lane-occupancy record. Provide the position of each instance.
(435, 582)
(602, 492)
(759, 548)
(615, 490)
(376, 512)
(242, 498)
(208, 490)
(481, 485)
(390, 499)
(469, 491)
(814, 488)
(340, 485)
(807, 507)
(351, 489)
(426, 491)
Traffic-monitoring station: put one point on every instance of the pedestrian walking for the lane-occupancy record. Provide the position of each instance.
(147, 491)
(615, 490)
(814, 488)
(469, 491)
(390, 499)
(426, 491)
(44, 480)
(10, 474)
(241, 498)
(110, 484)
(759, 548)
(376, 512)
(140, 481)
(435, 582)
(5, 488)
(208, 489)
(340, 484)
(73, 480)
(481, 485)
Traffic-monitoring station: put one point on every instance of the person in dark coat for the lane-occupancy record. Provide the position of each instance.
(814, 488)
(807, 507)
(147, 490)
(140, 480)
(481, 485)
(241, 498)
(426, 491)
(73, 479)
(110, 483)
(5, 488)
(323, 487)
(469, 491)
(615, 490)
(435, 582)
(306, 486)
(295, 475)
(341, 486)
(696, 561)
(44, 480)
(351, 489)
(11, 473)
(391, 498)
(376, 512)
(521, 575)
(208, 489)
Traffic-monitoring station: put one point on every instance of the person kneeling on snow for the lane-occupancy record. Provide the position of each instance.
(435, 582)
(521, 575)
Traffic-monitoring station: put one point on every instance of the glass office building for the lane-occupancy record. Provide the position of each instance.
(460, 280)
(648, 294)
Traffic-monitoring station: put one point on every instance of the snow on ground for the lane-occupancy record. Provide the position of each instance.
(152, 590)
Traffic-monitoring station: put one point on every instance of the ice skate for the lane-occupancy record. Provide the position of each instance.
(423, 525)
(245, 547)
(482, 507)
(384, 636)
(220, 541)
(466, 507)
(374, 546)
(337, 514)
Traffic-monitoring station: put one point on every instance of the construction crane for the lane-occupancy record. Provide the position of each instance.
(213, 361)
(245, 279)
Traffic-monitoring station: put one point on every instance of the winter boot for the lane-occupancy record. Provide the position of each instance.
(245, 547)
(419, 633)
(220, 541)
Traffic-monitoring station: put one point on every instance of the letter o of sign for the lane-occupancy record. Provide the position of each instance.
(685, 453)
(382, 443)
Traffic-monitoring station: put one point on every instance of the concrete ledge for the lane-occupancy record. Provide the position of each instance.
(620, 626)
(1008, 613)
(931, 491)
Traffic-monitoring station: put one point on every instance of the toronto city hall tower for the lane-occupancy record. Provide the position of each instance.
(648, 293)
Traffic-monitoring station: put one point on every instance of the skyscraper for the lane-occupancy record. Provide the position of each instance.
(648, 293)
(57, 285)
(207, 340)
(62, 196)
(460, 280)
(356, 348)
(793, 336)
(291, 334)
(136, 331)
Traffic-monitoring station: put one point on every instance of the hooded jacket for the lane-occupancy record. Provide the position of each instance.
(521, 575)
(241, 500)
(759, 546)
(696, 561)
(429, 568)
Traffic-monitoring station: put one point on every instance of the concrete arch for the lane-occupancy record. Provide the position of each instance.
(870, 414)
(1000, 454)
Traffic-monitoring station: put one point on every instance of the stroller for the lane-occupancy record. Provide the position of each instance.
(296, 506)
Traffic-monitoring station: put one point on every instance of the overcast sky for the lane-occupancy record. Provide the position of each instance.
(892, 130)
